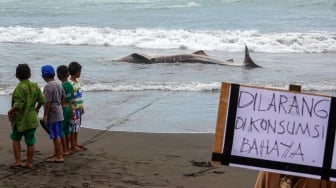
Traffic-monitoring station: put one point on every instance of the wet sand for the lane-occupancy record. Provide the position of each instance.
(123, 159)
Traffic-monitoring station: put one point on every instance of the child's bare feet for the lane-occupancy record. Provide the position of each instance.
(76, 148)
(65, 153)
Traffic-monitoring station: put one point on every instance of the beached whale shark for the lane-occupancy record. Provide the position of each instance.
(196, 57)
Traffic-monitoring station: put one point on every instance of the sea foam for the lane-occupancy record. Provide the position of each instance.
(223, 40)
(181, 86)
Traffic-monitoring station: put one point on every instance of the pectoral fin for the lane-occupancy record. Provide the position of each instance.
(200, 52)
(229, 60)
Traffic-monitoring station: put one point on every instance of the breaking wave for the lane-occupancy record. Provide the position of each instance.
(223, 40)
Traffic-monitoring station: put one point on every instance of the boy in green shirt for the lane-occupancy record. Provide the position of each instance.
(63, 75)
(27, 99)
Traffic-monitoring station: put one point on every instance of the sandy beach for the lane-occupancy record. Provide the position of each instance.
(122, 159)
(153, 124)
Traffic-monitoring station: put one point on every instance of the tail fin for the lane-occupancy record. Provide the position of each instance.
(248, 62)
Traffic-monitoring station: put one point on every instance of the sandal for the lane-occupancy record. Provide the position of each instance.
(83, 148)
(53, 160)
(50, 156)
(27, 166)
(15, 166)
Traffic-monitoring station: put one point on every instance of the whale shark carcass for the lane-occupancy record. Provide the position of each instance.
(196, 57)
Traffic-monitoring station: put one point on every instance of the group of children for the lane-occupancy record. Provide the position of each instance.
(63, 109)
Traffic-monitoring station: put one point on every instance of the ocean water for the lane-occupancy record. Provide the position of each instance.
(293, 40)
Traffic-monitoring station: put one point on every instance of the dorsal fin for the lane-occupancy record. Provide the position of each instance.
(248, 62)
(200, 52)
(138, 58)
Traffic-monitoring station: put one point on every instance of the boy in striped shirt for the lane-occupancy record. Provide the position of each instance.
(77, 106)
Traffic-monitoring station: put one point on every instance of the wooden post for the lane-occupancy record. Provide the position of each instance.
(217, 150)
(293, 87)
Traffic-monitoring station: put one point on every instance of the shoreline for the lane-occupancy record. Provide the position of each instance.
(146, 111)
(123, 159)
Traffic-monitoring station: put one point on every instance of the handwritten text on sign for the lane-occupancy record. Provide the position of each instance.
(281, 126)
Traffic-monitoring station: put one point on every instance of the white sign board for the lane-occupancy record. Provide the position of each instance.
(281, 126)
(279, 130)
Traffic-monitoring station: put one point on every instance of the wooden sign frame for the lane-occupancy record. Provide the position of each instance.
(225, 131)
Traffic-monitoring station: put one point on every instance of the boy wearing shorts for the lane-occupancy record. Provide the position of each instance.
(76, 105)
(62, 75)
(53, 113)
(27, 99)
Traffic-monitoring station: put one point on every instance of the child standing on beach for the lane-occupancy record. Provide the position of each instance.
(27, 99)
(53, 113)
(76, 105)
(63, 75)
